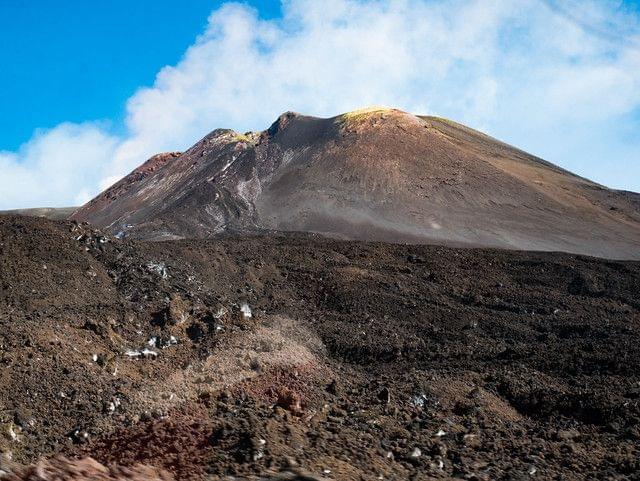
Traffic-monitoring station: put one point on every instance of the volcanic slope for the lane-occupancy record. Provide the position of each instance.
(377, 174)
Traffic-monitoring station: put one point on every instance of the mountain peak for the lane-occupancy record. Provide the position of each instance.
(374, 174)
(281, 122)
(368, 112)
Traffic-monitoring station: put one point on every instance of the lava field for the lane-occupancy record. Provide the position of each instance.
(293, 356)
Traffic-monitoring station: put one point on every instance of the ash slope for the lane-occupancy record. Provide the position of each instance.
(381, 175)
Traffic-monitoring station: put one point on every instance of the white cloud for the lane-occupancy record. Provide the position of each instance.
(57, 167)
(548, 76)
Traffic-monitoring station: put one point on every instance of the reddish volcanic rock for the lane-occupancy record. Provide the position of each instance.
(125, 185)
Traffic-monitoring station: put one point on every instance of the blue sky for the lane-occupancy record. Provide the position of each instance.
(83, 61)
(89, 90)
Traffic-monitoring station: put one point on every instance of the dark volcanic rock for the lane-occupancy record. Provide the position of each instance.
(353, 364)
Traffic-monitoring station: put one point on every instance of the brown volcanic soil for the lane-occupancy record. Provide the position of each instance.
(360, 360)
(382, 175)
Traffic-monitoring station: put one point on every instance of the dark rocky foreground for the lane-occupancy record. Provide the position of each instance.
(359, 360)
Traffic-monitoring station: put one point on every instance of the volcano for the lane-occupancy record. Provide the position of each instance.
(375, 174)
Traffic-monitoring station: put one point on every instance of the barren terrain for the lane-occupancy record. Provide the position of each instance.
(286, 355)
(378, 174)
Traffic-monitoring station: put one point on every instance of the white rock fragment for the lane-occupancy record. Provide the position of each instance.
(165, 343)
(259, 452)
(158, 268)
(246, 310)
(416, 453)
(149, 353)
(419, 400)
(146, 353)
(219, 313)
(113, 405)
(80, 435)
(440, 433)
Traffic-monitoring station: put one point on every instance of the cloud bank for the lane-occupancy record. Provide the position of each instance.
(559, 79)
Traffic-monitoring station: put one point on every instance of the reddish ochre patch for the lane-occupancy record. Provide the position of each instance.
(288, 388)
(178, 443)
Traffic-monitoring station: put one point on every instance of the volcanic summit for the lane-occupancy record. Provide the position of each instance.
(376, 174)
